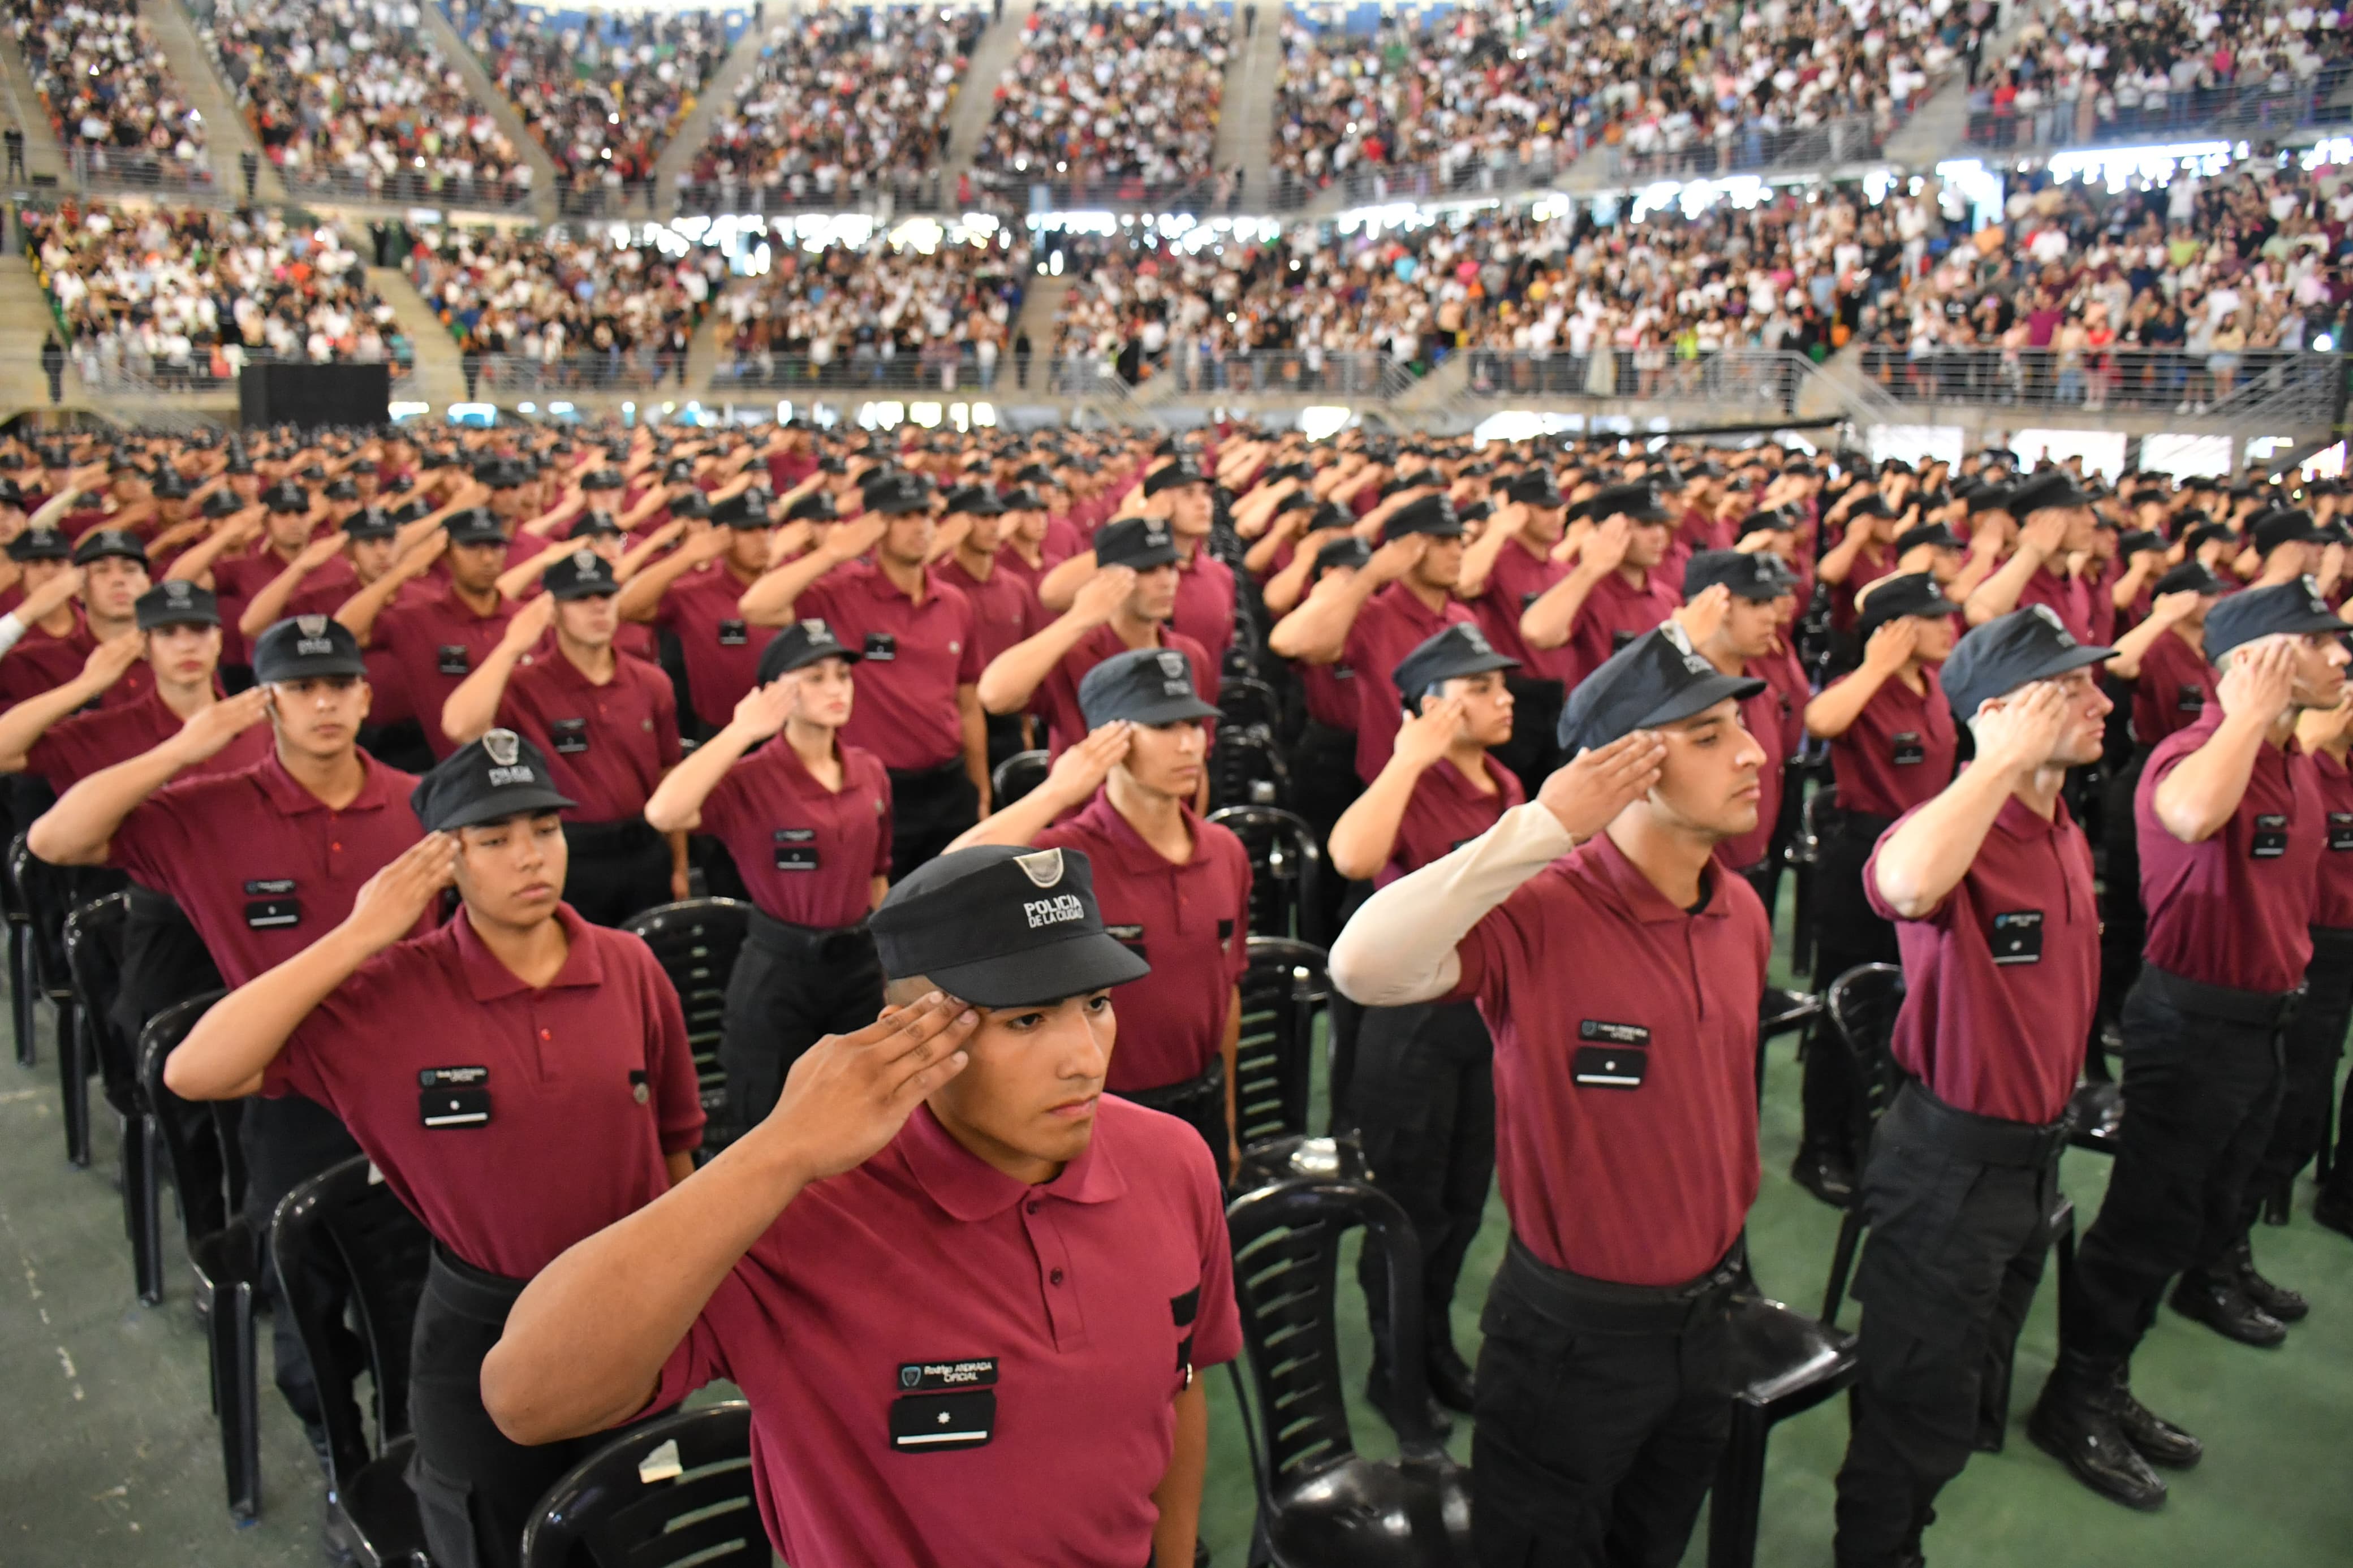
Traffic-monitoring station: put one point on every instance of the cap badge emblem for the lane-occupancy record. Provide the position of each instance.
(1044, 868)
(817, 631)
(1475, 639)
(1172, 665)
(501, 745)
(584, 563)
(309, 626)
(1674, 632)
(176, 590)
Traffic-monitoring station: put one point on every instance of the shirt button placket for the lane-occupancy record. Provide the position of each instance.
(1054, 1275)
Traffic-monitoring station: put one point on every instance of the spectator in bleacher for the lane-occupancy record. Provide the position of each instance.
(1109, 92)
(875, 313)
(109, 91)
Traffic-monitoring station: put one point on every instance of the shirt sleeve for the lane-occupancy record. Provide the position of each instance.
(668, 750)
(154, 840)
(969, 664)
(723, 809)
(700, 1358)
(1879, 906)
(1238, 954)
(58, 758)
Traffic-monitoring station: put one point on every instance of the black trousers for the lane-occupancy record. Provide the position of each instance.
(1424, 1090)
(929, 807)
(165, 962)
(1533, 749)
(1602, 1412)
(1959, 1210)
(615, 869)
(1324, 785)
(286, 1140)
(1847, 932)
(2308, 1057)
(476, 1488)
(2123, 923)
(1200, 1104)
(1007, 738)
(792, 986)
(2202, 1090)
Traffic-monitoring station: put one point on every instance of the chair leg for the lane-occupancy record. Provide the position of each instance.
(1739, 1497)
(235, 1381)
(2324, 1160)
(20, 994)
(73, 1085)
(142, 1201)
(1849, 1237)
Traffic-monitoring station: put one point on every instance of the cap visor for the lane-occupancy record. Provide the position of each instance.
(815, 656)
(312, 669)
(1699, 699)
(2075, 657)
(518, 802)
(1071, 968)
(1176, 710)
(182, 618)
(1145, 561)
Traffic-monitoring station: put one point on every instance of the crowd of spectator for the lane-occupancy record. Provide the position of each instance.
(111, 94)
(352, 97)
(184, 297)
(601, 90)
(1109, 94)
(845, 102)
(880, 314)
(566, 308)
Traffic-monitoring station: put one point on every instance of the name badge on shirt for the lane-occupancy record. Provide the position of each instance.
(1905, 751)
(2191, 697)
(2340, 830)
(451, 658)
(569, 735)
(734, 634)
(2270, 840)
(453, 1097)
(1130, 938)
(270, 904)
(2017, 937)
(945, 1405)
(1620, 639)
(1342, 672)
(795, 848)
(881, 646)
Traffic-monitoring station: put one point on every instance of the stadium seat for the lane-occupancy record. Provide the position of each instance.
(674, 1491)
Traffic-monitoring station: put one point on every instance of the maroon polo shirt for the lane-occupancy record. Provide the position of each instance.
(326, 589)
(1520, 578)
(721, 649)
(2332, 904)
(1643, 1182)
(1899, 750)
(1056, 698)
(1614, 614)
(238, 578)
(2100, 603)
(809, 855)
(297, 866)
(1190, 922)
(87, 742)
(2175, 686)
(607, 746)
(916, 657)
(513, 1122)
(1778, 725)
(1330, 693)
(1392, 624)
(2234, 909)
(1205, 600)
(1005, 605)
(2000, 978)
(2067, 597)
(40, 662)
(903, 1291)
(1868, 567)
(436, 641)
(1447, 811)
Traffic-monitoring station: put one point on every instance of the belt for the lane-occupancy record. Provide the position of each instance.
(926, 774)
(785, 939)
(1178, 1099)
(2261, 1009)
(627, 831)
(1581, 1305)
(1987, 1140)
(470, 1292)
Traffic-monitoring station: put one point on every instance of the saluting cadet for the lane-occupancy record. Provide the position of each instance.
(691, 593)
(1508, 568)
(436, 639)
(1616, 593)
(1004, 604)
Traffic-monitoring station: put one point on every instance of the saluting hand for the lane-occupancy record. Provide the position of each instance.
(391, 902)
(2260, 681)
(1101, 596)
(1423, 739)
(761, 712)
(850, 540)
(210, 729)
(530, 623)
(50, 597)
(849, 1094)
(1605, 549)
(1079, 771)
(1397, 557)
(110, 659)
(2173, 608)
(2044, 535)
(1589, 793)
(321, 549)
(1703, 616)
(2020, 736)
(1892, 645)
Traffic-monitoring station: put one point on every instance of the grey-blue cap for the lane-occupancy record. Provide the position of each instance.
(1654, 679)
(1149, 686)
(2285, 609)
(2007, 652)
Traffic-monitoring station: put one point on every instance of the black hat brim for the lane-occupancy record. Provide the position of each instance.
(1697, 698)
(1463, 668)
(1074, 967)
(802, 660)
(1167, 711)
(2067, 660)
(1144, 560)
(190, 616)
(516, 800)
(2303, 626)
(568, 592)
(311, 667)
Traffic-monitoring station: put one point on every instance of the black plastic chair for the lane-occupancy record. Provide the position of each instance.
(2098, 1109)
(1283, 988)
(223, 1264)
(1247, 767)
(346, 1222)
(20, 956)
(91, 939)
(1245, 700)
(1319, 1502)
(676, 1491)
(1286, 868)
(1783, 1364)
(1016, 776)
(1804, 855)
(47, 899)
(695, 941)
(1779, 1013)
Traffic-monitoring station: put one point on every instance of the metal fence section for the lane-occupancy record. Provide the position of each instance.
(1763, 380)
(111, 365)
(2281, 101)
(2282, 383)
(643, 368)
(710, 198)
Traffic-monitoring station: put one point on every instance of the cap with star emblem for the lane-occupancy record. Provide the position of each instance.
(1140, 543)
(1760, 576)
(2285, 609)
(100, 543)
(2007, 652)
(1174, 475)
(1459, 650)
(176, 603)
(1147, 686)
(1000, 926)
(500, 776)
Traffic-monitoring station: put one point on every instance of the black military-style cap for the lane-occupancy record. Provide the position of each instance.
(1759, 575)
(2132, 541)
(594, 525)
(1418, 480)
(2289, 609)
(101, 543)
(500, 776)
(1654, 679)
(816, 506)
(2007, 652)
(1036, 474)
(1474, 512)
(286, 497)
(1174, 475)
(40, 544)
(1989, 498)
(169, 485)
(2048, 491)
(975, 501)
(1534, 487)
(176, 603)
(1935, 533)
(801, 644)
(2207, 533)
(1907, 593)
(306, 645)
(363, 466)
(1141, 543)
(1434, 515)
(475, 525)
(746, 509)
(1447, 655)
(892, 493)
(1333, 553)
(694, 504)
(602, 480)
(1297, 500)
(1145, 686)
(2282, 525)
(2192, 576)
(1021, 497)
(582, 574)
(1000, 926)
(370, 522)
(343, 490)
(1772, 518)
(1638, 502)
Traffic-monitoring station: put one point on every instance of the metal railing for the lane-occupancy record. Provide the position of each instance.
(2279, 102)
(407, 188)
(1277, 373)
(1061, 193)
(2283, 383)
(869, 372)
(920, 192)
(578, 370)
(114, 365)
(1766, 379)
(100, 169)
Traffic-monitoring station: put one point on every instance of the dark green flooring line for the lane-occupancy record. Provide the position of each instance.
(108, 1456)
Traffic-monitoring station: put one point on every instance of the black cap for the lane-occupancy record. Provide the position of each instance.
(500, 474)
(286, 496)
(594, 525)
(343, 490)
(694, 504)
(602, 480)
(1021, 497)
(2206, 533)
(40, 544)
(1142, 542)
(1639, 501)
(975, 501)
(1907, 593)
(1001, 926)
(1534, 487)
(2293, 609)
(475, 525)
(2007, 652)
(1459, 650)
(746, 509)
(1654, 679)
(1935, 533)
(1145, 686)
(170, 486)
(176, 603)
(1989, 498)
(582, 574)
(500, 776)
(2132, 541)
(2050, 488)
(99, 543)
(892, 492)
(2192, 576)
(1350, 552)
(370, 522)
(1759, 575)
(306, 645)
(2284, 525)
(220, 503)
(817, 506)
(1036, 474)
(1433, 515)
(1173, 476)
(1772, 517)
(801, 644)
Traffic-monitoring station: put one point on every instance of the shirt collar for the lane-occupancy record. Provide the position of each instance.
(1605, 866)
(967, 1188)
(2021, 821)
(1102, 819)
(288, 795)
(487, 980)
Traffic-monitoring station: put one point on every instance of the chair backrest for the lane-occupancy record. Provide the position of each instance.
(677, 1489)
(346, 1223)
(49, 893)
(162, 1035)
(1286, 1241)
(1247, 768)
(1247, 699)
(1861, 1004)
(1816, 822)
(696, 943)
(1018, 774)
(1282, 988)
(1286, 868)
(93, 938)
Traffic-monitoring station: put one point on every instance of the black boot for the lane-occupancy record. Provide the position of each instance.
(2280, 1301)
(1377, 1392)
(2332, 1207)
(2075, 1422)
(2159, 1441)
(2216, 1301)
(1450, 1379)
(1824, 1174)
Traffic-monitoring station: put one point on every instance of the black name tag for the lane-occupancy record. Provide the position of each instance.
(2269, 841)
(453, 1097)
(451, 658)
(1128, 936)
(2340, 830)
(570, 736)
(1184, 1309)
(272, 914)
(881, 646)
(1342, 672)
(2017, 937)
(1609, 1067)
(1905, 751)
(795, 848)
(2190, 698)
(931, 1377)
(269, 888)
(1612, 1034)
(1620, 639)
(943, 1422)
(734, 634)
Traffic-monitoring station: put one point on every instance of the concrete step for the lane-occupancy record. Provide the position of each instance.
(718, 95)
(227, 135)
(440, 378)
(42, 154)
(543, 181)
(1246, 112)
(976, 98)
(1041, 317)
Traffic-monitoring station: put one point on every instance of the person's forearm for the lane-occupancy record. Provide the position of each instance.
(975, 724)
(22, 727)
(555, 517)
(641, 595)
(584, 1346)
(1020, 821)
(1971, 576)
(267, 608)
(769, 602)
(676, 804)
(1479, 562)
(1841, 702)
(1548, 622)
(194, 563)
(1924, 859)
(1317, 631)
(2127, 588)
(471, 709)
(78, 830)
(2133, 646)
(12, 632)
(1281, 593)
(237, 1039)
(1834, 566)
(1998, 594)
(2203, 791)
(1013, 677)
(1399, 947)
(1366, 835)
(52, 510)
(1060, 586)
(1178, 1495)
(1258, 559)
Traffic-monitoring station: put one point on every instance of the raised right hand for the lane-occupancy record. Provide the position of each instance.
(2260, 681)
(1892, 645)
(849, 1094)
(1101, 596)
(391, 902)
(210, 729)
(1079, 771)
(321, 549)
(850, 540)
(530, 623)
(2019, 736)
(1605, 549)
(1423, 739)
(761, 712)
(1587, 795)
(110, 659)
(50, 597)
(1397, 557)
(2044, 535)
